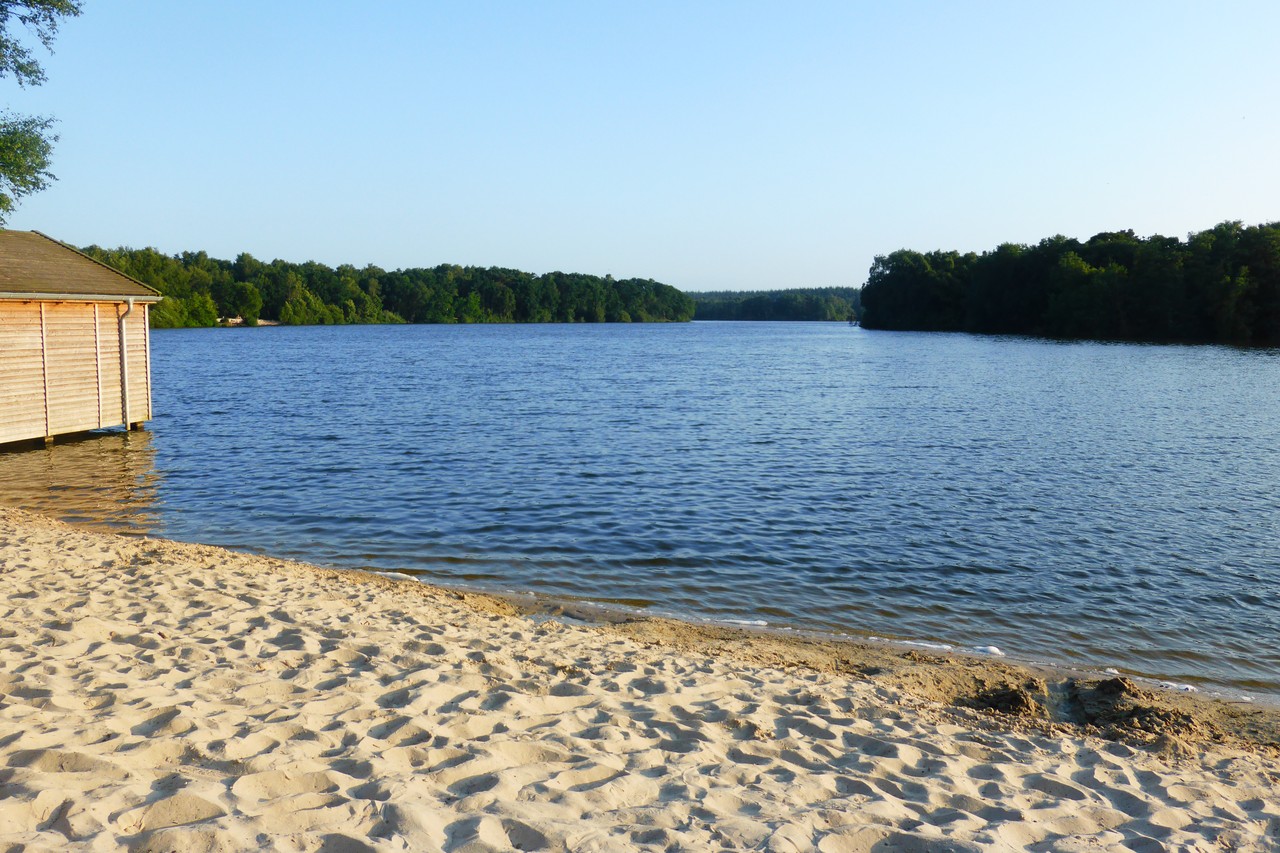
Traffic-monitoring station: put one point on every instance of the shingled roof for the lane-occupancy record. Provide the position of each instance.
(36, 265)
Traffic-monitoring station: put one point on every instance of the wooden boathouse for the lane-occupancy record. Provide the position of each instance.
(75, 349)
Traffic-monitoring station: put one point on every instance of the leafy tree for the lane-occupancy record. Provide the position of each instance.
(304, 308)
(200, 310)
(26, 141)
(910, 290)
(1000, 296)
(169, 313)
(470, 310)
(25, 148)
(1156, 299)
(1084, 300)
(246, 267)
(246, 302)
(1259, 252)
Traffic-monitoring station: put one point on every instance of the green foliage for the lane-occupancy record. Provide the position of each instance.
(1219, 285)
(200, 310)
(815, 303)
(178, 312)
(25, 148)
(26, 141)
(170, 313)
(304, 308)
(313, 294)
(41, 19)
(246, 302)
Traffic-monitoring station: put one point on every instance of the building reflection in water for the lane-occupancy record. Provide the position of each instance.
(102, 480)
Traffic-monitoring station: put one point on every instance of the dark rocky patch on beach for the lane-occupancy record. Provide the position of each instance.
(1035, 698)
(1020, 700)
(1119, 708)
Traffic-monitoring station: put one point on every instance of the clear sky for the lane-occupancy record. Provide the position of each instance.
(709, 145)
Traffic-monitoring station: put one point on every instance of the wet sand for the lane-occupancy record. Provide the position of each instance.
(157, 695)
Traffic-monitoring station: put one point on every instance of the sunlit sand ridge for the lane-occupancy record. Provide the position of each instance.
(160, 696)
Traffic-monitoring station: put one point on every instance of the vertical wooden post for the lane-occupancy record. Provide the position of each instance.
(44, 370)
(97, 357)
(146, 340)
(124, 362)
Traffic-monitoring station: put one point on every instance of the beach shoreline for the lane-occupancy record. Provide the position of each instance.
(592, 613)
(159, 694)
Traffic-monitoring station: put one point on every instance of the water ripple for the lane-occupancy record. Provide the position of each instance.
(1110, 505)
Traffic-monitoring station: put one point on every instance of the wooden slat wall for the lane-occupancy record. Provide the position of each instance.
(108, 339)
(72, 379)
(80, 367)
(138, 340)
(21, 372)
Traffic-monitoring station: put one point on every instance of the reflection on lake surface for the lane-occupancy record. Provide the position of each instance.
(107, 481)
(1090, 504)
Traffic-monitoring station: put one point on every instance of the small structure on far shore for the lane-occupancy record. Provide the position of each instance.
(75, 349)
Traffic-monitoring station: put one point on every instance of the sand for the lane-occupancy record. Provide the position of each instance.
(165, 696)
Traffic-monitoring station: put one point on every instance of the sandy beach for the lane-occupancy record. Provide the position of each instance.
(165, 696)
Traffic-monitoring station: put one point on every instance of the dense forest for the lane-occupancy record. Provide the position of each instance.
(1220, 285)
(199, 290)
(817, 303)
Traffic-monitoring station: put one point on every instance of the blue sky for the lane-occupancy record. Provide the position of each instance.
(709, 145)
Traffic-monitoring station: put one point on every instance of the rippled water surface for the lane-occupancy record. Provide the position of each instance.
(1095, 504)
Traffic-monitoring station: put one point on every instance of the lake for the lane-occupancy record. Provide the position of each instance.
(1097, 505)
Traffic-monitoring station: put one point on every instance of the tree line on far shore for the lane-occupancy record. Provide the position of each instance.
(813, 303)
(199, 290)
(1221, 285)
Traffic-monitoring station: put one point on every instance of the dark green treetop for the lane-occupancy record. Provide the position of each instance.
(199, 289)
(1220, 285)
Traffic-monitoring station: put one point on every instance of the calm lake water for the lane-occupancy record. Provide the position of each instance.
(1103, 505)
